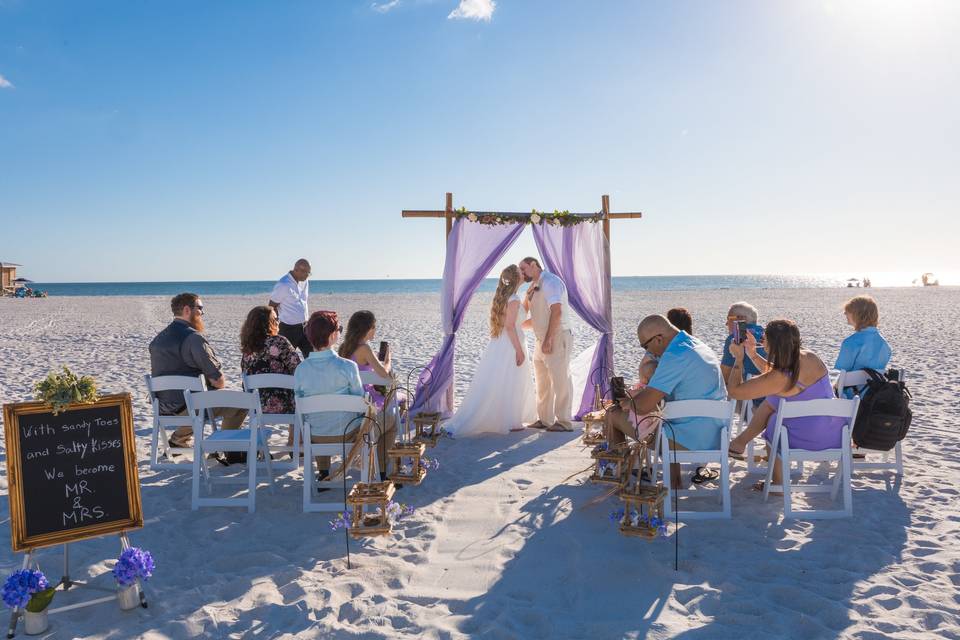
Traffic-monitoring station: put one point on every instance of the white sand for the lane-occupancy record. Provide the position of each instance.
(499, 545)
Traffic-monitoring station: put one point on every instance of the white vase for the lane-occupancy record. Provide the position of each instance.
(128, 597)
(35, 623)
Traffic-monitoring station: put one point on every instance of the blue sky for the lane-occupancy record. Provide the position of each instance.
(186, 140)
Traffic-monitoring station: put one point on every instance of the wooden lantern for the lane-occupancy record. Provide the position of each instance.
(611, 466)
(427, 428)
(412, 473)
(593, 428)
(369, 501)
(646, 501)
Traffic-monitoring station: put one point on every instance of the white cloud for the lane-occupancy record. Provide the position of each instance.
(383, 7)
(473, 10)
(5, 84)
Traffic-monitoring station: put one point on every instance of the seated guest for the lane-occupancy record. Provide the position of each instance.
(865, 348)
(687, 370)
(743, 312)
(794, 374)
(326, 373)
(181, 350)
(265, 351)
(681, 319)
(361, 329)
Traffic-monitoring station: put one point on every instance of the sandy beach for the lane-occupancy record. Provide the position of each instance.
(500, 544)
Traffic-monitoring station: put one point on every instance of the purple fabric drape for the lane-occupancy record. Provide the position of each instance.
(580, 255)
(472, 250)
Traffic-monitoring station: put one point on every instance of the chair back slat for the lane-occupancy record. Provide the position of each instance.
(717, 409)
(330, 402)
(371, 377)
(268, 381)
(221, 399)
(824, 408)
(174, 383)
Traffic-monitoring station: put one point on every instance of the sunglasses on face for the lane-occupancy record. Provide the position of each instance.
(643, 345)
(199, 308)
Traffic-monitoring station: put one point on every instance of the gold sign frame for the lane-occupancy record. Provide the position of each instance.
(18, 525)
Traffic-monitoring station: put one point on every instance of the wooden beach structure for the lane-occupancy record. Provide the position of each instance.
(8, 274)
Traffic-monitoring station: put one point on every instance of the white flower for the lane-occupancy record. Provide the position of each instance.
(472, 217)
(535, 218)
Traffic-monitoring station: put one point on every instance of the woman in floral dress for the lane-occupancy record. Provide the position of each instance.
(265, 351)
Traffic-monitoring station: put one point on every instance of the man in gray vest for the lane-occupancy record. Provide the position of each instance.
(181, 350)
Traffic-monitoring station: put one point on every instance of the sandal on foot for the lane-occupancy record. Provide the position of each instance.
(737, 455)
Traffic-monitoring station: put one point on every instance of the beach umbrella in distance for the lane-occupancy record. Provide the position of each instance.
(23, 280)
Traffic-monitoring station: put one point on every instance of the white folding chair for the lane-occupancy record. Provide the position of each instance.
(250, 441)
(277, 381)
(159, 446)
(780, 449)
(858, 380)
(321, 404)
(719, 410)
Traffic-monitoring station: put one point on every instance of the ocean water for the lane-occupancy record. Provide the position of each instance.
(392, 286)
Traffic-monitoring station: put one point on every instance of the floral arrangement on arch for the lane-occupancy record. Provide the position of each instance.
(557, 218)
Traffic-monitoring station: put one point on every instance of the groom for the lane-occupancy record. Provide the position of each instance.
(546, 300)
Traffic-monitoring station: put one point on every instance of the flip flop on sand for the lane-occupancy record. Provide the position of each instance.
(517, 429)
(703, 474)
(559, 427)
(537, 425)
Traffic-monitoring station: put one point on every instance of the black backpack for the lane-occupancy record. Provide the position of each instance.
(884, 415)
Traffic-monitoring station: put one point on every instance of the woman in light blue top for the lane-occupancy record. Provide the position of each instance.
(326, 373)
(865, 348)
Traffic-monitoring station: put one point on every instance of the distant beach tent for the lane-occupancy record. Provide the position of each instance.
(575, 246)
(8, 277)
(23, 281)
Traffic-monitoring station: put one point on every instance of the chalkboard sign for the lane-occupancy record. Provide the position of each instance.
(73, 475)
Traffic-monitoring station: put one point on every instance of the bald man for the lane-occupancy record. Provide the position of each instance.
(687, 370)
(289, 298)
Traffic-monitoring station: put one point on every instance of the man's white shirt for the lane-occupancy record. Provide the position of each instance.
(555, 292)
(292, 298)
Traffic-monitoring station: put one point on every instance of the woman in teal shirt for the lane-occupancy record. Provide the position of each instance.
(865, 348)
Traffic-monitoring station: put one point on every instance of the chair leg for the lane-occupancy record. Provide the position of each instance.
(307, 471)
(899, 457)
(251, 478)
(847, 488)
(266, 459)
(155, 446)
(296, 447)
(195, 490)
(786, 482)
(667, 478)
(771, 460)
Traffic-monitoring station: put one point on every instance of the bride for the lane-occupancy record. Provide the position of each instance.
(501, 394)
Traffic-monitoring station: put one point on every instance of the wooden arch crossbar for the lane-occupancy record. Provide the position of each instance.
(449, 214)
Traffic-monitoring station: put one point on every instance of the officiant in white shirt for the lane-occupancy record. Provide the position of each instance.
(289, 298)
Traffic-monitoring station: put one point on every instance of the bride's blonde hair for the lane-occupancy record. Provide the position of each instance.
(508, 285)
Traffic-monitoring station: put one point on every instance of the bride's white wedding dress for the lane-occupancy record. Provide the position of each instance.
(501, 396)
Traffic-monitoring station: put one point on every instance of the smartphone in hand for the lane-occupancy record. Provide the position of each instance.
(384, 349)
(617, 388)
(740, 331)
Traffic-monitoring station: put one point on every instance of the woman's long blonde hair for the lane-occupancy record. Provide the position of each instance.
(509, 283)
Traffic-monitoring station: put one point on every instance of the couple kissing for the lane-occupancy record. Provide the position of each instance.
(503, 395)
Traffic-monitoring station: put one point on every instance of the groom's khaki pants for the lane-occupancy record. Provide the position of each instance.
(554, 387)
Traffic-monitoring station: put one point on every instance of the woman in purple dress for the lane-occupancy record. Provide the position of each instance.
(361, 329)
(791, 373)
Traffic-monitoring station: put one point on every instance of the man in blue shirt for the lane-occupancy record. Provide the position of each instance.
(742, 312)
(687, 370)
